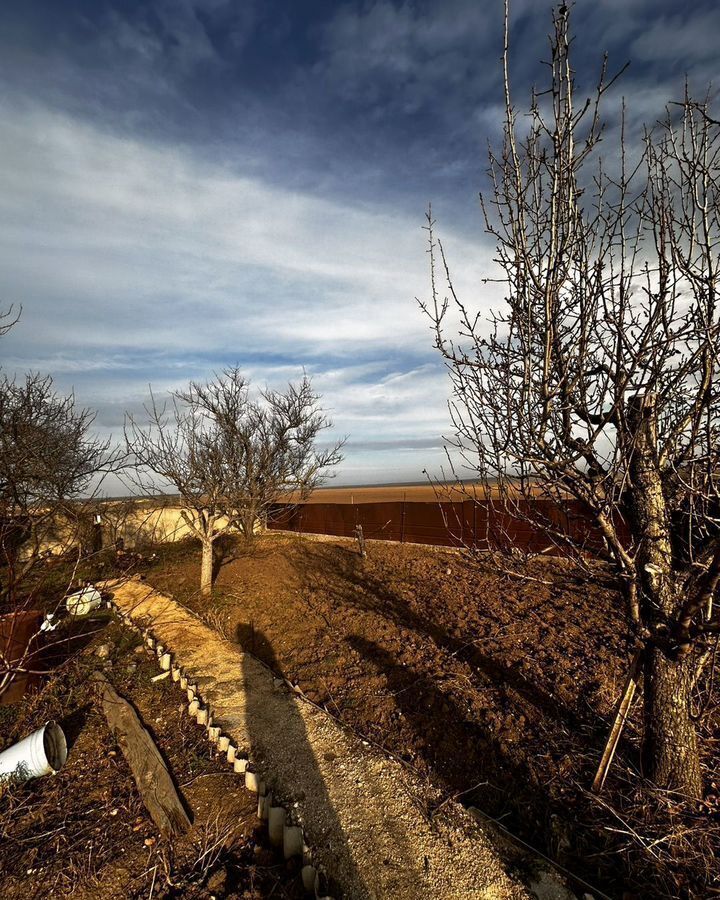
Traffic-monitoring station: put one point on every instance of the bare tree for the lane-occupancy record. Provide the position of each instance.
(596, 384)
(48, 460)
(232, 456)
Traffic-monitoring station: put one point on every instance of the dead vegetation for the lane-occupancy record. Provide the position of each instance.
(86, 832)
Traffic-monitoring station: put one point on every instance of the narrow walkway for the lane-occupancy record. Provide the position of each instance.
(363, 813)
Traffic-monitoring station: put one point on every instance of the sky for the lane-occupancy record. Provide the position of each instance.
(189, 184)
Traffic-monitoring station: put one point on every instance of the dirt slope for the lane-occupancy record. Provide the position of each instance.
(363, 813)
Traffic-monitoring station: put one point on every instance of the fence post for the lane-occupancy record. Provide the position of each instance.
(402, 523)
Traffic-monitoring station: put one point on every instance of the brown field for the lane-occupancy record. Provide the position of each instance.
(499, 691)
(388, 493)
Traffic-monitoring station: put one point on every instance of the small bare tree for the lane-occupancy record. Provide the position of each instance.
(48, 460)
(231, 456)
(598, 383)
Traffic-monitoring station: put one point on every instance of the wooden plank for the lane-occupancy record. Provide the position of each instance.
(151, 774)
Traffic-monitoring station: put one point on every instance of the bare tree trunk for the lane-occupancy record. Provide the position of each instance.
(670, 748)
(206, 569)
(248, 525)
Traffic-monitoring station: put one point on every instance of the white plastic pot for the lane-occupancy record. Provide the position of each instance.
(82, 602)
(41, 753)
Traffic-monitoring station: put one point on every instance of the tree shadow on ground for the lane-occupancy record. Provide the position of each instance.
(275, 722)
(505, 738)
(353, 587)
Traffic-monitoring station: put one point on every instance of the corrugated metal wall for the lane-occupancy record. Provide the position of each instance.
(450, 524)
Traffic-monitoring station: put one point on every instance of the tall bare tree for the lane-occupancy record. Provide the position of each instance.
(232, 455)
(597, 381)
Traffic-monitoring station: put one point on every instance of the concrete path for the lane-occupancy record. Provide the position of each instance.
(363, 814)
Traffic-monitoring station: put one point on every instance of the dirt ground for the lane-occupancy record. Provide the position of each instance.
(85, 832)
(498, 690)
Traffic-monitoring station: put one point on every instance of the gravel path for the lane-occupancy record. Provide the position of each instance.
(364, 815)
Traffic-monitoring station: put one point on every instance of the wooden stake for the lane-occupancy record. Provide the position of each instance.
(621, 715)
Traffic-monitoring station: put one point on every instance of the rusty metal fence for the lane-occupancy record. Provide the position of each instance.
(446, 523)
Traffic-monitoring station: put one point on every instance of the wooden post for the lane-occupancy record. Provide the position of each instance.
(360, 540)
(402, 522)
(621, 715)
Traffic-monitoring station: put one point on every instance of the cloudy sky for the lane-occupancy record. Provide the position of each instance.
(187, 184)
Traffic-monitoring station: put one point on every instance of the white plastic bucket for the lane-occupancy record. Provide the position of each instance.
(41, 753)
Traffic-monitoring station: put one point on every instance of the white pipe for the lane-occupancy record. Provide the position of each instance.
(308, 878)
(41, 753)
(84, 601)
(165, 662)
(292, 841)
(264, 804)
(276, 825)
(252, 780)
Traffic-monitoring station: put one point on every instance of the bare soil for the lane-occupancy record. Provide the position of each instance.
(387, 493)
(500, 691)
(85, 832)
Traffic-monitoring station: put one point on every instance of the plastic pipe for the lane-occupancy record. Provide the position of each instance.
(264, 804)
(308, 878)
(41, 753)
(84, 601)
(276, 825)
(292, 841)
(252, 782)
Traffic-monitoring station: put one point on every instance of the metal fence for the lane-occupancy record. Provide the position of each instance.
(446, 523)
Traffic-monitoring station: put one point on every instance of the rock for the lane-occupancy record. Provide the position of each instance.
(103, 651)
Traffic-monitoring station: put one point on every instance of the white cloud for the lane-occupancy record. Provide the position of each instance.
(139, 262)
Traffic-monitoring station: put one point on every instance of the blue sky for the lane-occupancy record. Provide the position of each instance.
(191, 183)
